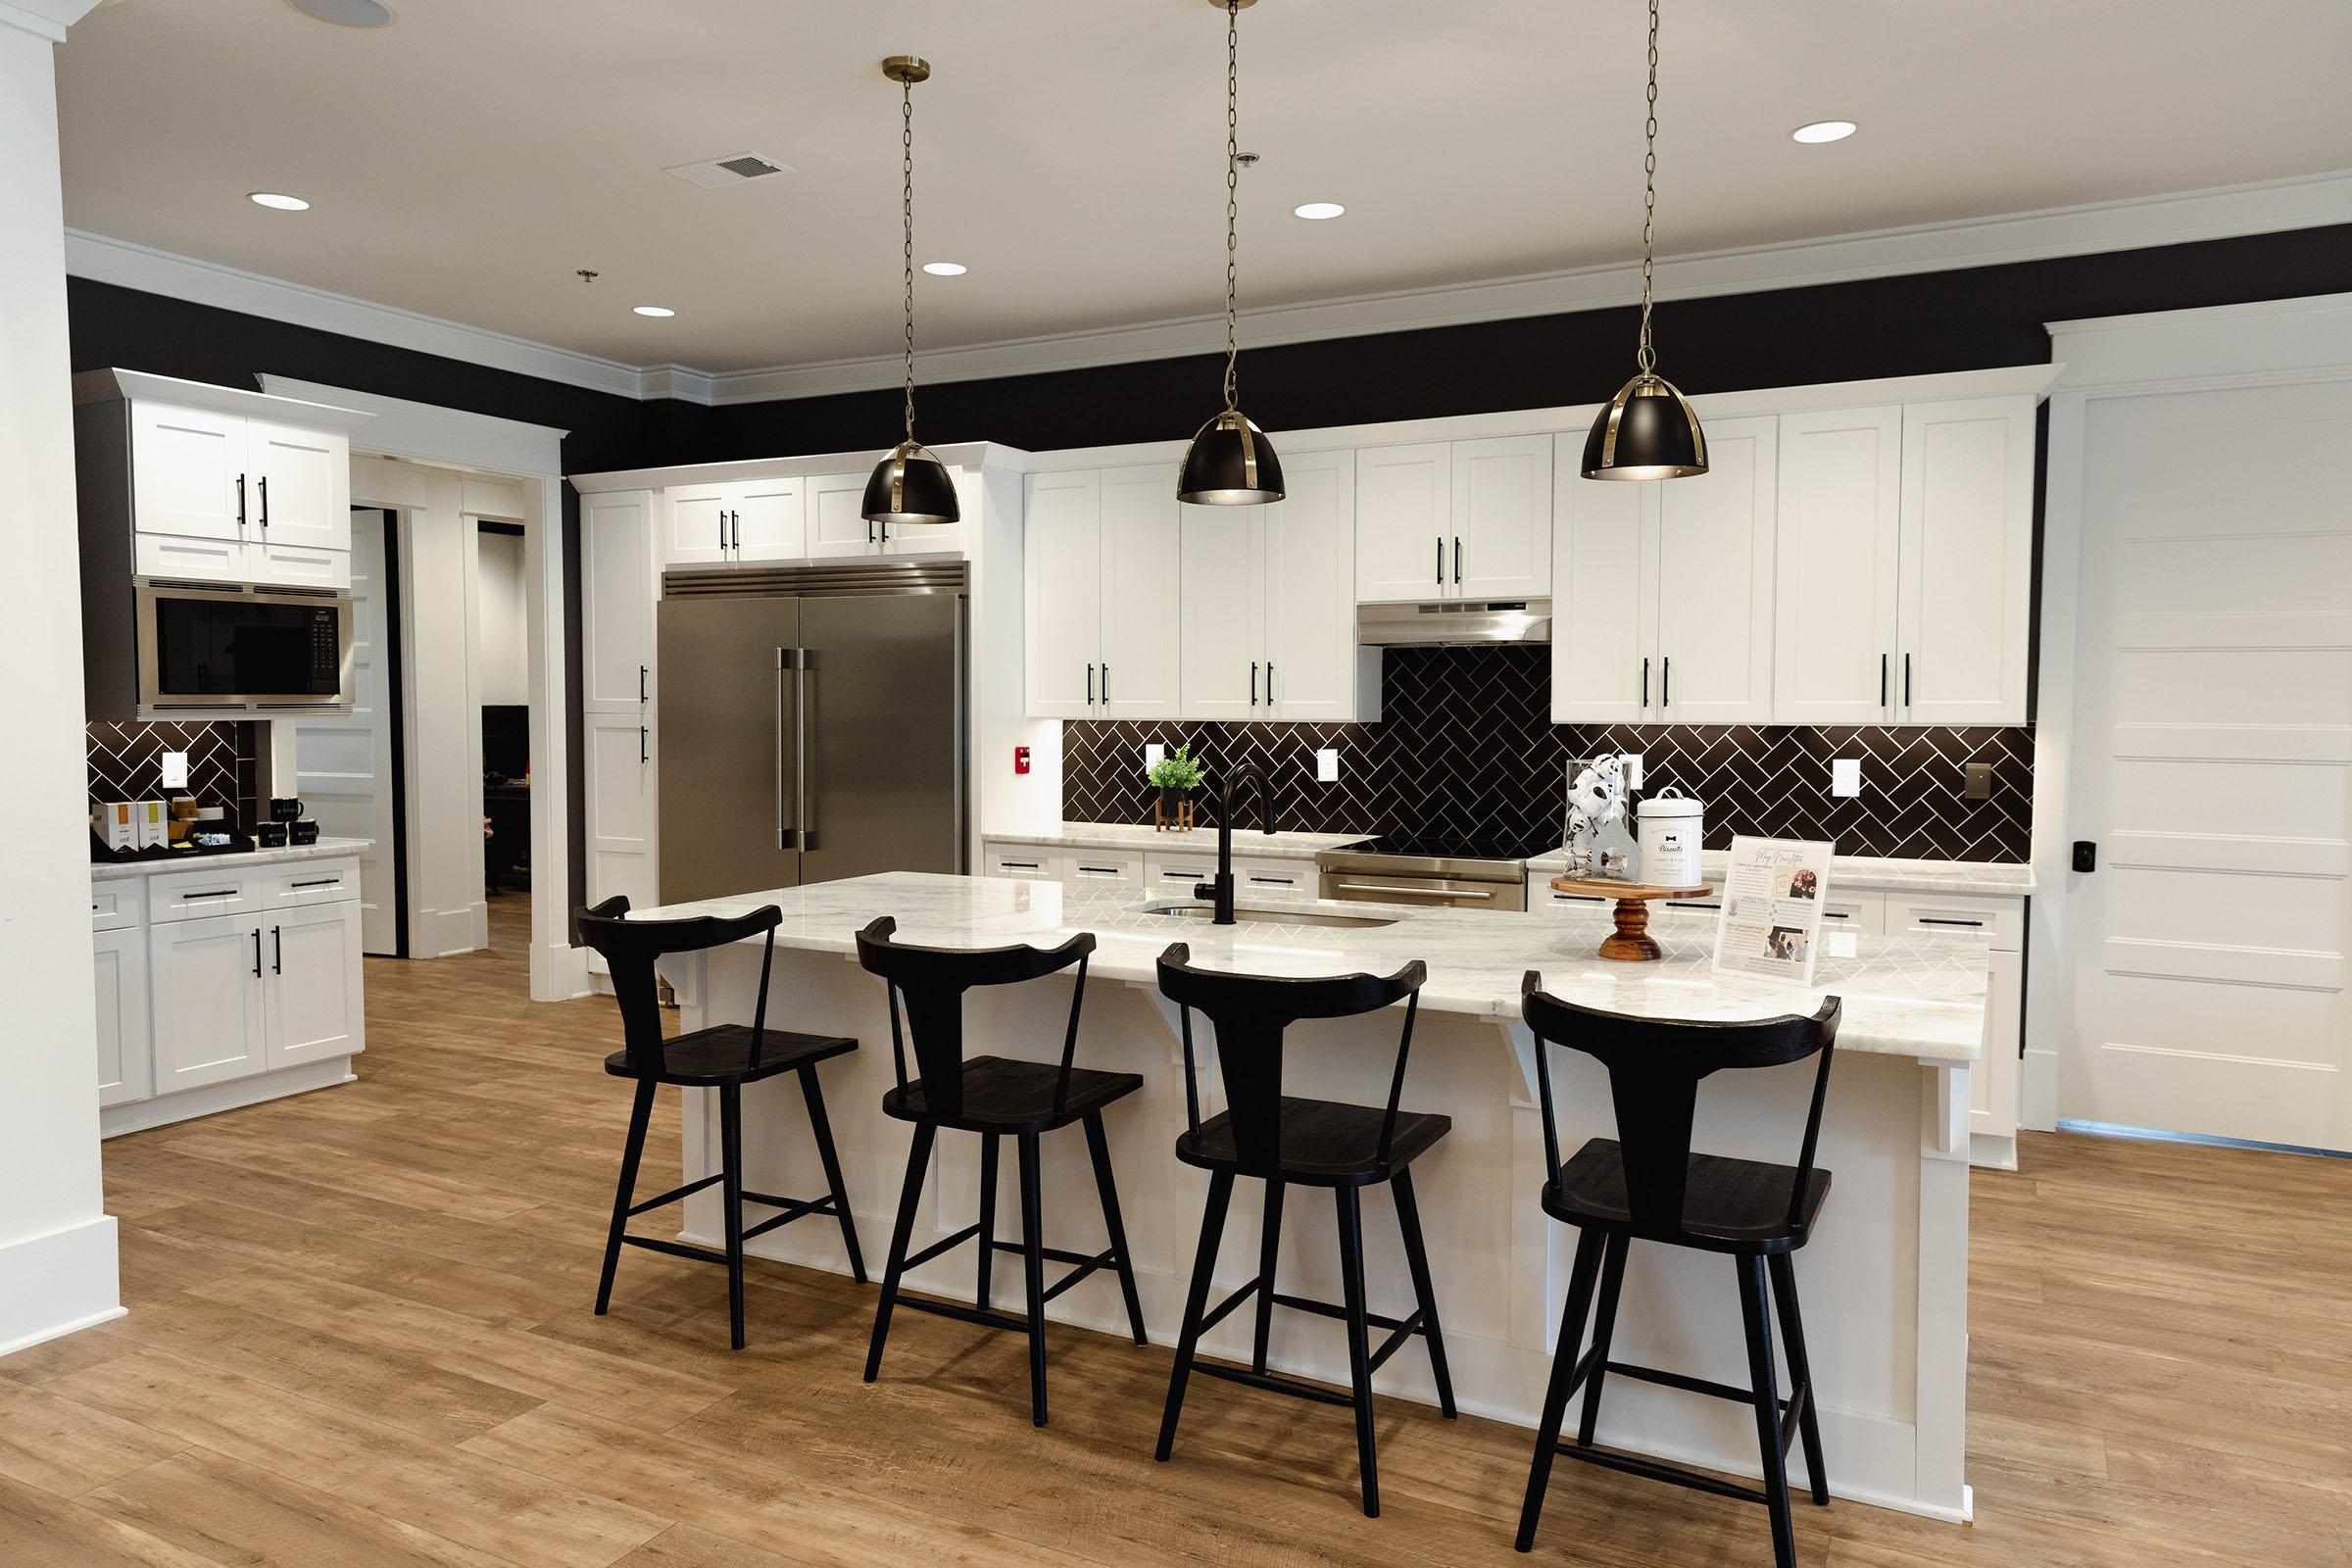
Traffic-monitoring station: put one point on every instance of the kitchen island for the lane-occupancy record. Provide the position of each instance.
(1884, 1280)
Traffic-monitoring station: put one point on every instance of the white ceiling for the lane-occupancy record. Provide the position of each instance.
(466, 158)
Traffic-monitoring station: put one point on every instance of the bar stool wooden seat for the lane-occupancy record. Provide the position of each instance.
(1648, 1185)
(726, 1059)
(995, 1097)
(1284, 1141)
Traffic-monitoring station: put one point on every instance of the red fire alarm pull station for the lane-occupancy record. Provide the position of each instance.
(1020, 759)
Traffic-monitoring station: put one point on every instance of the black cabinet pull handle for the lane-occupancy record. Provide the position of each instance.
(1457, 560)
(1253, 683)
(1090, 685)
(869, 530)
(1269, 683)
(321, 882)
(1928, 920)
(1882, 680)
(240, 501)
(885, 533)
(1906, 680)
(257, 953)
(1646, 682)
(735, 526)
(265, 488)
(641, 740)
(1441, 560)
(1105, 670)
(641, 675)
(277, 948)
(1666, 682)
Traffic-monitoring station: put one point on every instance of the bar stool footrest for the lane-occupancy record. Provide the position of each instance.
(1276, 1384)
(676, 1192)
(986, 1318)
(1655, 1470)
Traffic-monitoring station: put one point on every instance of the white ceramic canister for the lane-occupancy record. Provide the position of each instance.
(1672, 827)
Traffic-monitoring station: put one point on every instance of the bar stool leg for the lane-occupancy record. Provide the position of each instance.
(1033, 1268)
(822, 1129)
(1417, 1256)
(1269, 1243)
(640, 1113)
(730, 1138)
(1604, 1324)
(1564, 1357)
(1098, 1145)
(1758, 1318)
(988, 1219)
(1359, 1348)
(1196, 1304)
(1800, 1373)
(910, 1198)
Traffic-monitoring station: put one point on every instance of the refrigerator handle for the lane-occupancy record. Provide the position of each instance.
(784, 835)
(804, 663)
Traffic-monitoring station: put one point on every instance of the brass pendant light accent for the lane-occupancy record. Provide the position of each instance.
(1648, 430)
(1230, 463)
(910, 485)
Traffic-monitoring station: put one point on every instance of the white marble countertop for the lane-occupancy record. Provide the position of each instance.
(325, 849)
(1246, 843)
(1862, 873)
(1920, 996)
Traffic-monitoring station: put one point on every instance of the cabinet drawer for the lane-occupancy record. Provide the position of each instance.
(1274, 880)
(2002, 921)
(1543, 896)
(1024, 861)
(116, 906)
(201, 890)
(1174, 876)
(311, 882)
(169, 555)
(1104, 865)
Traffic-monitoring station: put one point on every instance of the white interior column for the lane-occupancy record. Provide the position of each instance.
(57, 1242)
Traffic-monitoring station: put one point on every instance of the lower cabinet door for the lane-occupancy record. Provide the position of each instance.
(125, 1050)
(205, 977)
(314, 984)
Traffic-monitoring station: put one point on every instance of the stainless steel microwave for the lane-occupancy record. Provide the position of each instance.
(232, 648)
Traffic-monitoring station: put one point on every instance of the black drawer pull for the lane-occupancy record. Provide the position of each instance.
(217, 893)
(1928, 920)
(321, 882)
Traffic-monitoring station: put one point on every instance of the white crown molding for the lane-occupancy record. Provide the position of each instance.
(2258, 340)
(424, 432)
(45, 18)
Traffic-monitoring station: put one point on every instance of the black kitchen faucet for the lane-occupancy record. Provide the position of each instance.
(1220, 891)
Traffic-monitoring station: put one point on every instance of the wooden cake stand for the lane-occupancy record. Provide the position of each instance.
(1631, 940)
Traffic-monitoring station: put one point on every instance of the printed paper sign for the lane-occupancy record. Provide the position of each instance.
(1770, 924)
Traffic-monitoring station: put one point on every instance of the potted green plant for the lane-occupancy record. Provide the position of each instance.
(1177, 775)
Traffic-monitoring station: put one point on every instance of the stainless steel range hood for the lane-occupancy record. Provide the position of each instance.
(1453, 622)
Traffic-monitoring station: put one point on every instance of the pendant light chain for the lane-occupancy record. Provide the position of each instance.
(1647, 358)
(907, 209)
(1233, 188)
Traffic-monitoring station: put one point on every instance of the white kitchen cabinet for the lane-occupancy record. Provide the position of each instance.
(1138, 607)
(696, 531)
(1966, 562)
(205, 984)
(1223, 644)
(313, 993)
(617, 591)
(837, 525)
(126, 1048)
(300, 505)
(1021, 861)
(1838, 534)
(1116, 869)
(1501, 518)
(1603, 598)
(742, 520)
(1062, 610)
(232, 498)
(1403, 522)
(623, 808)
(188, 472)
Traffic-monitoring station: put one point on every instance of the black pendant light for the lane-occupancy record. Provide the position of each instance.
(911, 485)
(1648, 430)
(1230, 463)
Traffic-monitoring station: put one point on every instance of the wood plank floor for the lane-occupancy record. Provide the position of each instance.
(359, 1334)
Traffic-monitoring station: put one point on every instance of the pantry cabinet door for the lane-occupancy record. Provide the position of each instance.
(1715, 581)
(1833, 616)
(1403, 522)
(622, 805)
(205, 979)
(1140, 623)
(768, 520)
(126, 1051)
(1502, 517)
(1967, 561)
(188, 472)
(1315, 673)
(1062, 564)
(314, 984)
(696, 531)
(1223, 646)
(616, 599)
(1604, 597)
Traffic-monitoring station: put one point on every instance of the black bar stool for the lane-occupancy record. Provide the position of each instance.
(1310, 1143)
(1651, 1186)
(724, 1058)
(993, 1097)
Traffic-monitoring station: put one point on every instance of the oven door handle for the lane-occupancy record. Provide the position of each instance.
(1418, 893)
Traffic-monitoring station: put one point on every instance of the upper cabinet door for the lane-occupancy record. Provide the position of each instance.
(1834, 616)
(1062, 569)
(1139, 619)
(188, 472)
(1501, 518)
(1223, 646)
(1315, 673)
(616, 598)
(767, 521)
(1404, 522)
(300, 483)
(837, 525)
(696, 531)
(1715, 575)
(1605, 596)
(1967, 560)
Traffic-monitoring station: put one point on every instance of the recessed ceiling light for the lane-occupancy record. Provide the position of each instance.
(284, 204)
(1317, 211)
(655, 310)
(1822, 131)
(946, 269)
(345, 13)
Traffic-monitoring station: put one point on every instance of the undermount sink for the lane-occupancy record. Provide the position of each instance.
(1264, 914)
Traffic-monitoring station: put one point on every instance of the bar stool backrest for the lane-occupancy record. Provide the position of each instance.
(1249, 1014)
(930, 982)
(631, 947)
(1654, 1067)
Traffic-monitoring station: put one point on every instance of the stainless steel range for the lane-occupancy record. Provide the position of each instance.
(1440, 870)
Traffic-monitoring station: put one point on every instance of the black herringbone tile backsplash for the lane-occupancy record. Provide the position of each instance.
(1466, 744)
(126, 763)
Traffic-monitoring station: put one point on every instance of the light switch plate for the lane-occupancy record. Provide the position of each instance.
(175, 770)
(1326, 765)
(1631, 762)
(1976, 781)
(1153, 751)
(1845, 776)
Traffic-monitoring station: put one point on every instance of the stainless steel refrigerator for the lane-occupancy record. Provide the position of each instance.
(813, 724)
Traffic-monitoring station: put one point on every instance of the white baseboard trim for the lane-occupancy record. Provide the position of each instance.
(139, 1115)
(58, 1283)
(2037, 1092)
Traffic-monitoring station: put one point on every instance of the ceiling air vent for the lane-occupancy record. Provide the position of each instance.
(717, 173)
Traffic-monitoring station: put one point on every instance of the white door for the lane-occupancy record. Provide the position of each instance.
(1715, 581)
(1063, 563)
(125, 1060)
(1605, 596)
(205, 980)
(1223, 642)
(188, 472)
(314, 1006)
(301, 486)
(837, 525)
(696, 534)
(617, 597)
(1967, 561)
(769, 521)
(1314, 671)
(2213, 754)
(1503, 514)
(343, 763)
(1404, 522)
(1838, 531)
(1140, 597)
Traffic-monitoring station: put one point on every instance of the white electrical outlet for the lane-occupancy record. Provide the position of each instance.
(1845, 776)
(1631, 762)
(1153, 753)
(175, 770)
(1326, 765)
